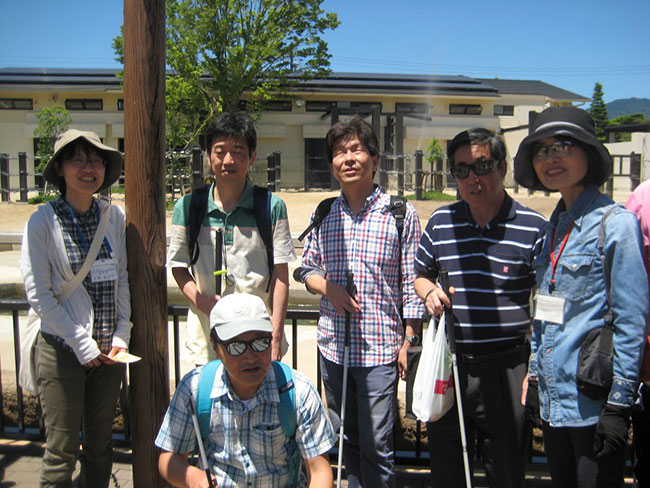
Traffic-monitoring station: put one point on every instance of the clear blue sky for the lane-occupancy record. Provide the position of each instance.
(567, 43)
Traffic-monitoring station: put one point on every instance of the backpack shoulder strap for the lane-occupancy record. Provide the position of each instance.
(322, 211)
(286, 389)
(398, 209)
(203, 400)
(198, 205)
(262, 211)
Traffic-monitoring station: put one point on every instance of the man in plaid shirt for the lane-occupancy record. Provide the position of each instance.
(246, 445)
(360, 235)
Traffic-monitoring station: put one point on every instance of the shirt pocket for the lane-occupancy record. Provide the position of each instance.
(576, 276)
(270, 438)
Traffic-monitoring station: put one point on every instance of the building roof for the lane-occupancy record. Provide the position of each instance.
(337, 82)
(532, 87)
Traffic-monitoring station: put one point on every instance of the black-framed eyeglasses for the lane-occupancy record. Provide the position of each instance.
(237, 348)
(480, 167)
(558, 149)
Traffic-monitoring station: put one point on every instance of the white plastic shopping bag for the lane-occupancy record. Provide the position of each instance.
(433, 388)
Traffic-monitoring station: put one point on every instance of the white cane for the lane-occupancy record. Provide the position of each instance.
(451, 335)
(349, 286)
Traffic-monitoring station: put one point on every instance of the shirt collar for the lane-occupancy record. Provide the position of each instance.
(506, 212)
(371, 200)
(579, 208)
(245, 201)
(267, 393)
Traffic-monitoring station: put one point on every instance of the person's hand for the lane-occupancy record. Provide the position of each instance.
(205, 302)
(530, 398)
(402, 361)
(611, 431)
(93, 363)
(196, 478)
(341, 300)
(437, 300)
(108, 358)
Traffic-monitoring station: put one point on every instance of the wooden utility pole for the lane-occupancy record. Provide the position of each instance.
(144, 151)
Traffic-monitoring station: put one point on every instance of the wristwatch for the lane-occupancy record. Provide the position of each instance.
(412, 339)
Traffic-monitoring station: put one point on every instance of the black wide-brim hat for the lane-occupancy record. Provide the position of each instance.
(112, 157)
(571, 122)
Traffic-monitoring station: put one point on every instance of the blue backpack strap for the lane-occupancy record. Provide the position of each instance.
(203, 400)
(262, 210)
(288, 417)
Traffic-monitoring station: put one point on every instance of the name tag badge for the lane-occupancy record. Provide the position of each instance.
(549, 308)
(103, 270)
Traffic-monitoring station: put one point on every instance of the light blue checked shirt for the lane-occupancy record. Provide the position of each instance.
(366, 244)
(247, 446)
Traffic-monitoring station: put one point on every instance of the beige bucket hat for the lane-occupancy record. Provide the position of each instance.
(112, 156)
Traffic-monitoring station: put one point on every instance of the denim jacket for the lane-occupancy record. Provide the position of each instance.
(580, 281)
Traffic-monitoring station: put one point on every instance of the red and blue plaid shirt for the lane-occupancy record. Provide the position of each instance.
(366, 244)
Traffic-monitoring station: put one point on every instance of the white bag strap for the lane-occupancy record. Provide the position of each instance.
(100, 233)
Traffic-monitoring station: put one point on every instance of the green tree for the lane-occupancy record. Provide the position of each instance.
(623, 120)
(598, 111)
(52, 121)
(434, 151)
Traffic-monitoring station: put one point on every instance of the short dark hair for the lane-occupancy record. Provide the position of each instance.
(232, 125)
(478, 135)
(355, 127)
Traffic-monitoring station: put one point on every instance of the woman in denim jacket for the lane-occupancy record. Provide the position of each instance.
(585, 439)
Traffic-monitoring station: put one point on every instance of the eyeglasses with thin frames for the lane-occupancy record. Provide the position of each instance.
(480, 167)
(82, 163)
(237, 348)
(558, 149)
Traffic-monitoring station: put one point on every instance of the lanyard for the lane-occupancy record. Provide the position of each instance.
(554, 258)
(84, 243)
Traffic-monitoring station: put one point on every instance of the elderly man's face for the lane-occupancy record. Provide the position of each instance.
(480, 192)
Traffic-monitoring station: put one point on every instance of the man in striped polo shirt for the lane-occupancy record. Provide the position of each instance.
(487, 243)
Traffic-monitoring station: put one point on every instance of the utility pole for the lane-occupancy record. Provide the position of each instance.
(144, 154)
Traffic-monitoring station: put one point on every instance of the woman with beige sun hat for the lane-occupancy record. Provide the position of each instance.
(74, 267)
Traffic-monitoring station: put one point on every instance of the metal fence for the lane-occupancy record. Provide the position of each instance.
(19, 429)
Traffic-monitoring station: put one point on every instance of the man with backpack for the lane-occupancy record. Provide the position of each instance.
(232, 228)
(257, 423)
(361, 236)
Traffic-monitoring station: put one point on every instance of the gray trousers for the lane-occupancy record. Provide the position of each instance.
(75, 398)
(369, 420)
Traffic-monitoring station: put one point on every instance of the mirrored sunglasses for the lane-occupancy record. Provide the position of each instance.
(480, 167)
(558, 149)
(237, 348)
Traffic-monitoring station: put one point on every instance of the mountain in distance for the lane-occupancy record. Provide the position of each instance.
(627, 106)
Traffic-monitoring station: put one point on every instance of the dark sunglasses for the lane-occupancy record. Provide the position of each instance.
(559, 149)
(480, 167)
(237, 348)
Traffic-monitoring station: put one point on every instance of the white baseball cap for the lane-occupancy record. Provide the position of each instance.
(237, 314)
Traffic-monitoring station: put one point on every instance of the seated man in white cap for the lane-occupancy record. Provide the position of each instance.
(246, 442)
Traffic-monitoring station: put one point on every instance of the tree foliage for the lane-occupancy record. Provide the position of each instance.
(219, 50)
(434, 151)
(598, 111)
(52, 121)
(624, 120)
(246, 45)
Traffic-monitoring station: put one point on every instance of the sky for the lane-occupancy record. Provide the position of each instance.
(571, 44)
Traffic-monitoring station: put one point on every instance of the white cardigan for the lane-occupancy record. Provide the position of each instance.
(45, 267)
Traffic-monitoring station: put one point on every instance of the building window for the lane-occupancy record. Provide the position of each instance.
(120, 104)
(278, 106)
(16, 104)
(84, 104)
(412, 108)
(318, 106)
(464, 109)
(504, 110)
